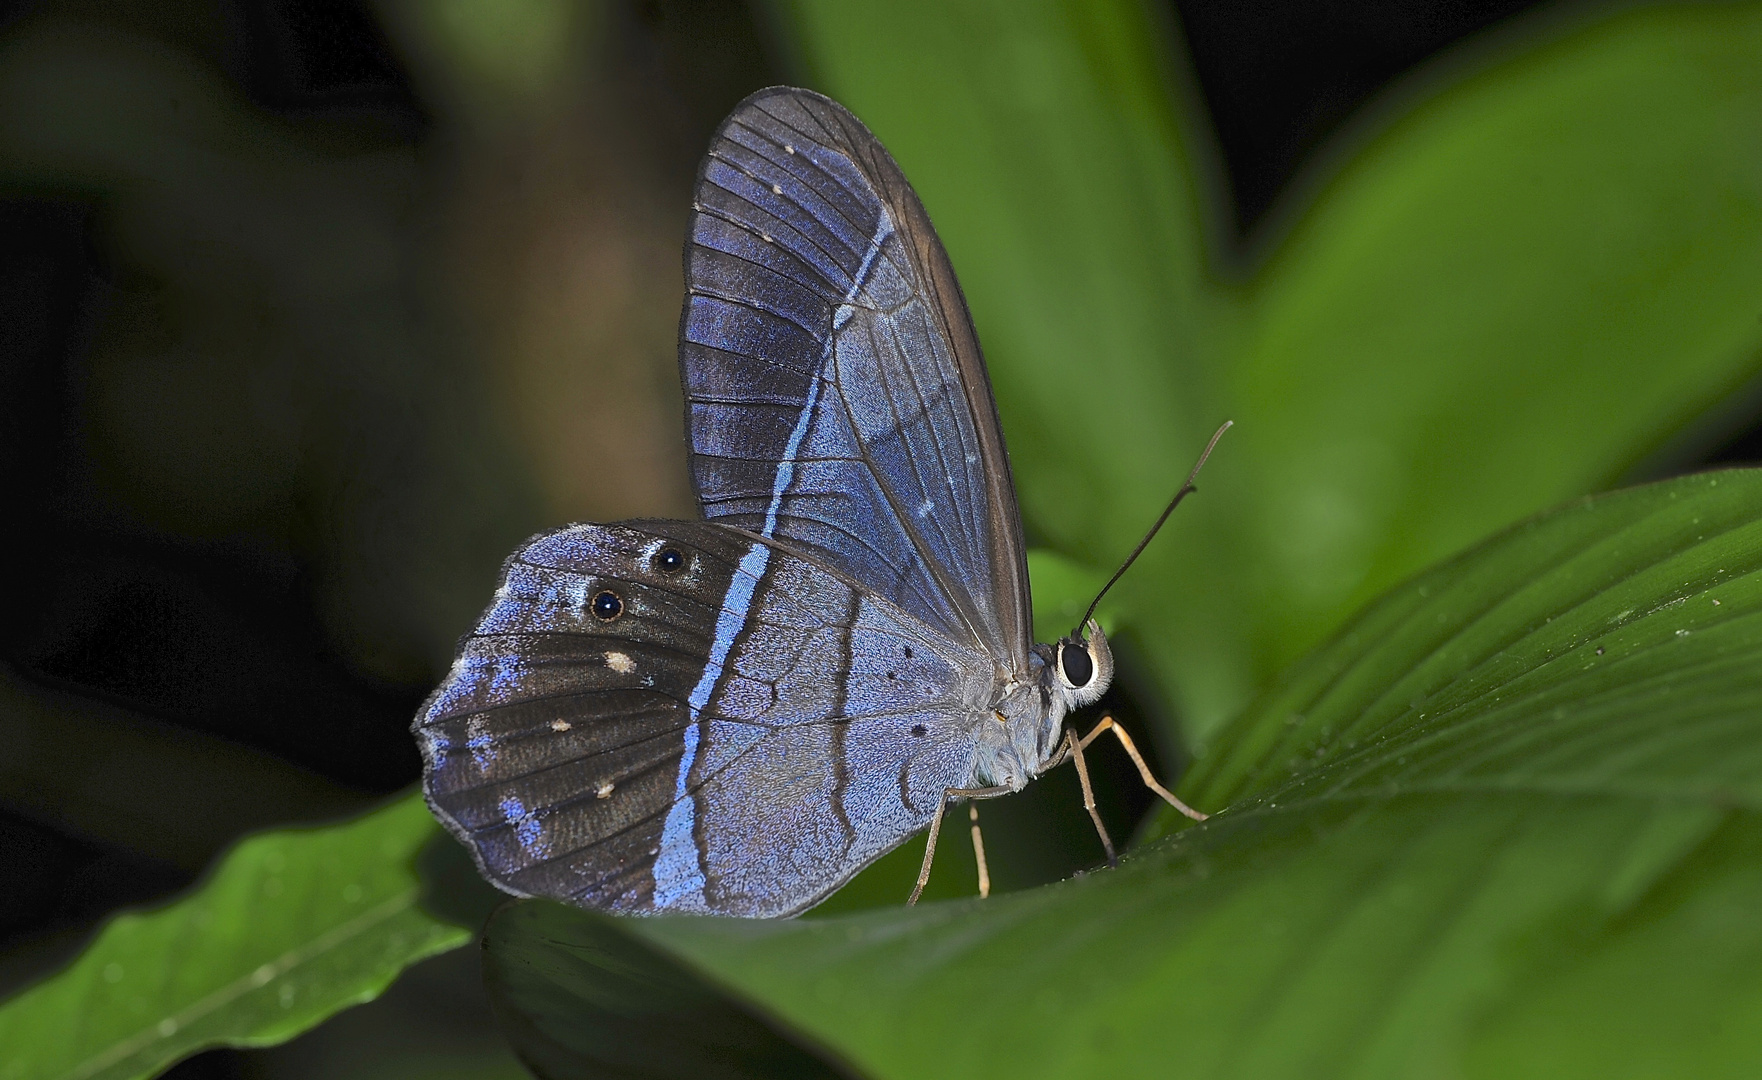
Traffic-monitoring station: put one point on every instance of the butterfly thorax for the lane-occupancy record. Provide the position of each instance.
(1022, 738)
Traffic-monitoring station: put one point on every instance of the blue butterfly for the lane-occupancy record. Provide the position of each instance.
(735, 715)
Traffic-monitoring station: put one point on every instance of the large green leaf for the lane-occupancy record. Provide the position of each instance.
(1508, 823)
(650, 1016)
(292, 927)
(1545, 261)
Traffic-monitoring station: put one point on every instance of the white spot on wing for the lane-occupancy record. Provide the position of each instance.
(604, 791)
(788, 149)
(560, 725)
(776, 189)
(924, 510)
(620, 662)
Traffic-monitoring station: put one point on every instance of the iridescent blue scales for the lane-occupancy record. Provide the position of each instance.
(735, 716)
(832, 730)
(824, 330)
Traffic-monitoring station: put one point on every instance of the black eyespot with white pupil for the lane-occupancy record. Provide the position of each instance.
(1073, 657)
(669, 560)
(606, 606)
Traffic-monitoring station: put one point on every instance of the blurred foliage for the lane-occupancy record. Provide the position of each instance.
(258, 371)
(399, 367)
(1534, 273)
(1452, 838)
(332, 345)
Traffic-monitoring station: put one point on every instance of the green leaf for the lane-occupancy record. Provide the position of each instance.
(1062, 590)
(1538, 263)
(1508, 298)
(650, 1015)
(292, 927)
(1509, 823)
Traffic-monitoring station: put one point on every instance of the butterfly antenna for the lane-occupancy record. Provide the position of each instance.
(1186, 490)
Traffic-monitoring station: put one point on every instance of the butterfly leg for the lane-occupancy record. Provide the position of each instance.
(1108, 724)
(936, 830)
(1076, 755)
(979, 851)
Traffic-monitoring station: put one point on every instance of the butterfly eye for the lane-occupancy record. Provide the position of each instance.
(669, 560)
(607, 606)
(1075, 663)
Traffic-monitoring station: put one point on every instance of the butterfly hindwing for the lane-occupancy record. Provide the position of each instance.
(743, 733)
(557, 730)
(836, 397)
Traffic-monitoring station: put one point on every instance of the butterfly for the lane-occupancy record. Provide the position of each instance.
(735, 715)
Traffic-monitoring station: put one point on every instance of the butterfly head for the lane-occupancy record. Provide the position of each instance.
(1082, 666)
(1068, 674)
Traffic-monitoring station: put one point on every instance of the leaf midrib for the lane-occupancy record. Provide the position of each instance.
(254, 980)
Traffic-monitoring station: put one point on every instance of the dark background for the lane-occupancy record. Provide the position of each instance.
(192, 678)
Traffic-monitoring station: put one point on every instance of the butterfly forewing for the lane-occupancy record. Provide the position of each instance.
(836, 397)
